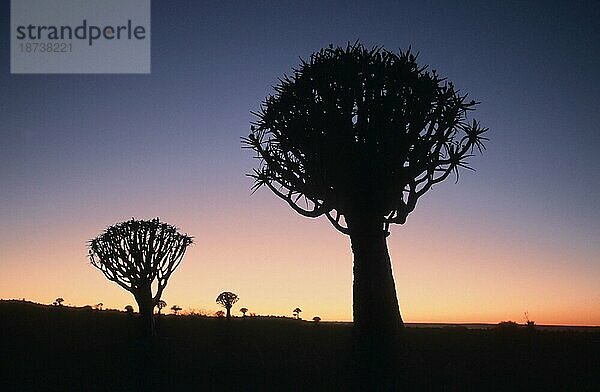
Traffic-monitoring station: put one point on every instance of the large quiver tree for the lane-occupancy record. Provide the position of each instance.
(139, 255)
(359, 135)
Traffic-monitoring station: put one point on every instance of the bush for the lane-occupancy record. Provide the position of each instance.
(507, 326)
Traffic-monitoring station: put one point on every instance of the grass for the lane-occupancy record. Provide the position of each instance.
(61, 348)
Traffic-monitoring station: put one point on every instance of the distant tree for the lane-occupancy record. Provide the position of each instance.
(219, 314)
(137, 253)
(226, 299)
(244, 310)
(59, 301)
(160, 305)
(98, 306)
(296, 312)
(359, 135)
(175, 309)
(129, 309)
(316, 319)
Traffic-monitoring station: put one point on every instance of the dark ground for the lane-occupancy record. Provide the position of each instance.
(46, 348)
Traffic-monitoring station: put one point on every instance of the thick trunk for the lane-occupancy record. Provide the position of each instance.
(376, 310)
(146, 308)
(228, 312)
(377, 320)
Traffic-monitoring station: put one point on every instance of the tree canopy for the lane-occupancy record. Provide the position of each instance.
(227, 299)
(135, 253)
(356, 128)
(138, 254)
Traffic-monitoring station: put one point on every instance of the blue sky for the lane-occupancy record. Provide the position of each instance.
(79, 152)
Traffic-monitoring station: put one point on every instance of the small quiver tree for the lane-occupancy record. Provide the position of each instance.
(226, 299)
(136, 255)
(160, 305)
(296, 312)
(244, 311)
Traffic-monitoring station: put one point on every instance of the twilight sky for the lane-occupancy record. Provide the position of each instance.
(81, 152)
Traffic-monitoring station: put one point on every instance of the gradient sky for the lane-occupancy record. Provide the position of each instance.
(81, 152)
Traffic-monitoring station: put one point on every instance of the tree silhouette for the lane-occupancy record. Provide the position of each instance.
(226, 299)
(175, 309)
(59, 301)
(129, 309)
(137, 253)
(359, 135)
(316, 319)
(296, 312)
(161, 305)
(99, 306)
(244, 310)
(219, 314)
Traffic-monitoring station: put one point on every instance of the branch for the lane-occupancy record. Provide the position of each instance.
(314, 213)
(336, 222)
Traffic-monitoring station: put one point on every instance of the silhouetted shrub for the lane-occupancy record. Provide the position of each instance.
(195, 312)
(175, 309)
(507, 326)
(530, 323)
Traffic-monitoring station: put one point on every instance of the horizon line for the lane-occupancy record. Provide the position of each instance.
(420, 322)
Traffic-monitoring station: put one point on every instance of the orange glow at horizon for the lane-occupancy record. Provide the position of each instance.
(276, 261)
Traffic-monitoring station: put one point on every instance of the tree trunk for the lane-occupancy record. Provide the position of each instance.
(228, 312)
(146, 308)
(377, 320)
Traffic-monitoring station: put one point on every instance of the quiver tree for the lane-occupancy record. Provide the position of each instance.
(226, 299)
(160, 305)
(139, 255)
(359, 135)
(59, 301)
(296, 312)
(244, 311)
